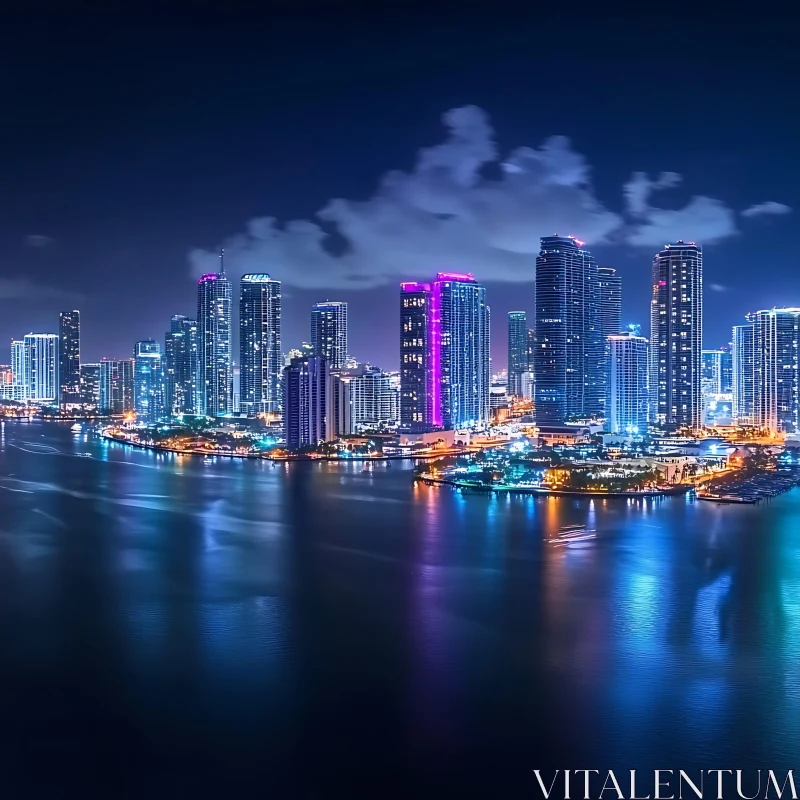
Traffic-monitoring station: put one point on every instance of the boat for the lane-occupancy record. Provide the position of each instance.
(76, 428)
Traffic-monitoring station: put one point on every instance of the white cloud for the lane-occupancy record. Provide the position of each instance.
(718, 287)
(446, 214)
(38, 240)
(768, 207)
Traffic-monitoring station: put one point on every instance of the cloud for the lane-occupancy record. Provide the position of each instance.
(464, 207)
(768, 207)
(38, 240)
(24, 289)
(702, 219)
(718, 287)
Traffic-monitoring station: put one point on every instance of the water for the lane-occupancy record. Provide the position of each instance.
(180, 628)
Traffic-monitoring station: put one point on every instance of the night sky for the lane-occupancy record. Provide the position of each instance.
(130, 143)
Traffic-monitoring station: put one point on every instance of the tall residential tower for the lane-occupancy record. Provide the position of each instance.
(69, 371)
(329, 333)
(215, 373)
(517, 351)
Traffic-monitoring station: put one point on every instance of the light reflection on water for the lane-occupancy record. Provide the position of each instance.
(324, 608)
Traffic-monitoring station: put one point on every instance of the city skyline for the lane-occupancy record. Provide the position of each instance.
(126, 197)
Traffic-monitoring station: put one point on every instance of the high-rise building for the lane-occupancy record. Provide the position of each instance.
(373, 400)
(181, 367)
(41, 367)
(214, 343)
(148, 381)
(627, 384)
(329, 333)
(743, 351)
(711, 375)
(676, 335)
(116, 386)
(305, 383)
(610, 320)
(517, 350)
(776, 337)
(569, 352)
(444, 353)
(18, 365)
(726, 368)
(338, 405)
(90, 385)
(260, 364)
(69, 324)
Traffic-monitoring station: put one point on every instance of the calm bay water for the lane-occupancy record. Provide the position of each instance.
(169, 626)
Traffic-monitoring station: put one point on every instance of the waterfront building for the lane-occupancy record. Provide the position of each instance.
(711, 375)
(528, 386)
(214, 343)
(627, 384)
(569, 352)
(41, 367)
(12, 391)
(444, 353)
(517, 350)
(338, 405)
(181, 367)
(116, 386)
(676, 334)
(6, 375)
(743, 353)
(373, 401)
(610, 320)
(329, 333)
(148, 381)
(305, 383)
(260, 367)
(726, 368)
(775, 361)
(69, 324)
(90, 385)
(18, 366)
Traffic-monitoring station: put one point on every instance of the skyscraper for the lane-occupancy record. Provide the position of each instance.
(18, 364)
(116, 386)
(743, 374)
(444, 353)
(569, 352)
(711, 374)
(41, 367)
(305, 392)
(214, 343)
(610, 320)
(517, 350)
(372, 400)
(776, 337)
(329, 333)
(90, 385)
(676, 335)
(69, 357)
(181, 367)
(726, 368)
(627, 390)
(148, 381)
(260, 367)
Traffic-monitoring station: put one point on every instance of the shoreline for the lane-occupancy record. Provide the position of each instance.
(536, 492)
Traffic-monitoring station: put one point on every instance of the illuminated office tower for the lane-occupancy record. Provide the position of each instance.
(775, 361)
(372, 400)
(726, 368)
(517, 351)
(260, 366)
(18, 365)
(711, 376)
(305, 383)
(116, 386)
(743, 374)
(181, 367)
(329, 333)
(90, 385)
(569, 352)
(148, 381)
(215, 373)
(69, 324)
(609, 319)
(41, 367)
(676, 335)
(444, 353)
(627, 384)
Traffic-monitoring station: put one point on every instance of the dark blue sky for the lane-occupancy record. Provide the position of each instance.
(129, 141)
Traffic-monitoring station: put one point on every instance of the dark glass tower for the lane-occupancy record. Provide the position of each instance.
(304, 414)
(116, 386)
(181, 367)
(517, 350)
(69, 368)
(569, 352)
(676, 336)
(329, 333)
(260, 364)
(416, 362)
(215, 373)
